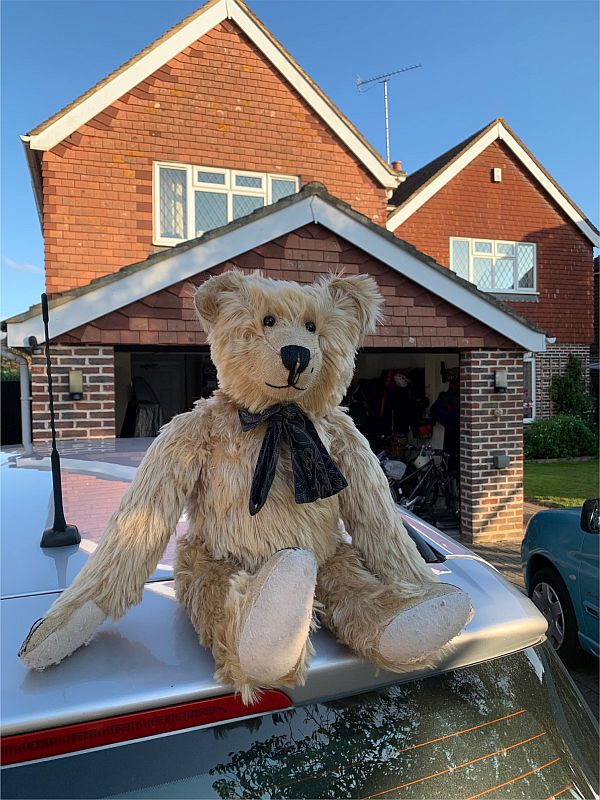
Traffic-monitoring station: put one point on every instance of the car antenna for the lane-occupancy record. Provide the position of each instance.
(60, 534)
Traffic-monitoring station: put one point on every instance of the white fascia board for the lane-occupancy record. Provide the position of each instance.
(428, 277)
(402, 214)
(498, 131)
(547, 184)
(204, 22)
(180, 266)
(121, 292)
(129, 78)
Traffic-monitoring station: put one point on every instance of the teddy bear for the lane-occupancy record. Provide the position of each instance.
(266, 468)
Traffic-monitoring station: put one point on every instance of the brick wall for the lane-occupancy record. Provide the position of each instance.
(218, 103)
(94, 415)
(516, 209)
(491, 499)
(414, 317)
(551, 363)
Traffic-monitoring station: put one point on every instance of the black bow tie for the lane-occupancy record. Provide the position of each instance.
(315, 474)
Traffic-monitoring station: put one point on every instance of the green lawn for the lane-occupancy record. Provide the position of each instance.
(563, 484)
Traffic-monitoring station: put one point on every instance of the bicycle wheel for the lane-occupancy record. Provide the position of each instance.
(427, 508)
(452, 496)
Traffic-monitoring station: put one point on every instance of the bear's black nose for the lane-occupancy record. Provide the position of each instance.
(295, 360)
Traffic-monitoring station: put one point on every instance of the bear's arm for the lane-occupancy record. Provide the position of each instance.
(368, 509)
(136, 535)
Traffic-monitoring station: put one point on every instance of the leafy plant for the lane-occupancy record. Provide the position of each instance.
(569, 392)
(9, 371)
(565, 436)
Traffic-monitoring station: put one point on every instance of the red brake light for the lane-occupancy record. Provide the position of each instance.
(84, 735)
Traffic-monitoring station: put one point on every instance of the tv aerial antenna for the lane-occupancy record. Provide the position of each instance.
(370, 83)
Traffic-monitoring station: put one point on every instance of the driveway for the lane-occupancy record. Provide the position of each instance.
(506, 557)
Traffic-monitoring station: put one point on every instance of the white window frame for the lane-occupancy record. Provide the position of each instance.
(495, 255)
(530, 358)
(192, 184)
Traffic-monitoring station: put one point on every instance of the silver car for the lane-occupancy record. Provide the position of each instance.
(139, 714)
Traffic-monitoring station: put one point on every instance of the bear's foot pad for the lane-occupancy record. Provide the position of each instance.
(279, 616)
(426, 627)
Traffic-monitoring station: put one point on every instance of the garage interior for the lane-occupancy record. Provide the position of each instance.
(401, 400)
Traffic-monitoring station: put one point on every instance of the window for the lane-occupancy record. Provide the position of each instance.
(528, 387)
(190, 200)
(495, 266)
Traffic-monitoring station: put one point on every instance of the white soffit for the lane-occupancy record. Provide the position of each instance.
(497, 131)
(120, 292)
(211, 16)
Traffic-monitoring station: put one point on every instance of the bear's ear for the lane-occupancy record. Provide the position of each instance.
(359, 295)
(209, 294)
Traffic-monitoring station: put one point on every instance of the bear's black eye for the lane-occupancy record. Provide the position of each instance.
(310, 326)
(269, 321)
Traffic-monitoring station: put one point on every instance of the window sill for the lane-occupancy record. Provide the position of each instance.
(517, 297)
(168, 242)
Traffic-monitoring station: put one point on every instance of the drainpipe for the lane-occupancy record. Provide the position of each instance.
(25, 396)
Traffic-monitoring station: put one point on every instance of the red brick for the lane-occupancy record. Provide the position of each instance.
(516, 209)
(206, 106)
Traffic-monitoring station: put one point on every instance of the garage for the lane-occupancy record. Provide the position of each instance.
(145, 357)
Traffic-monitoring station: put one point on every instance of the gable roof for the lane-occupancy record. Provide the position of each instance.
(419, 187)
(126, 77)
(313, 204)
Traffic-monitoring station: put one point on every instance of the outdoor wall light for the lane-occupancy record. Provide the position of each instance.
(35, 347)
(75, 384)
(500, 380)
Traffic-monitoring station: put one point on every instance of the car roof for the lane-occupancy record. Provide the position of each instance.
(151, 657)
(95, 475)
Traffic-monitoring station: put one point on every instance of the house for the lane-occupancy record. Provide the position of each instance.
(213, 148)
(595, 348)
(489, 211)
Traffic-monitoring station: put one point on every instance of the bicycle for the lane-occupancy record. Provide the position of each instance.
(433, 483)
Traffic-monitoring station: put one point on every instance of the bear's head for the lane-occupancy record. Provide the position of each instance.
(281, 342)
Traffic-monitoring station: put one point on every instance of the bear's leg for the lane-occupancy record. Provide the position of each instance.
(377, 622)
(256, 625)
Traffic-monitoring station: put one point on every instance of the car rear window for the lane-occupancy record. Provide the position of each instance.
(510, 728)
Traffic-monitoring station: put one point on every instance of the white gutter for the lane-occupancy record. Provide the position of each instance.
(25, 396)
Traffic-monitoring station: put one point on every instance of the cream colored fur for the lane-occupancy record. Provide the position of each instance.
(203, 462)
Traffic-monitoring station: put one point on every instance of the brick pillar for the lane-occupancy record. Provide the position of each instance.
(94, 415)
(491, 424)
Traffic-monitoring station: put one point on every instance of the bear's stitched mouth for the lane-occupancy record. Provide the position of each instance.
(287, 386)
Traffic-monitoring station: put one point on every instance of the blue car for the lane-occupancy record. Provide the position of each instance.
(560, 554)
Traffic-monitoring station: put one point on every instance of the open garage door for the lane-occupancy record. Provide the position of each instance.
(407, 404)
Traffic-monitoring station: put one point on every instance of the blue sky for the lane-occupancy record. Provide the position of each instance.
(533, 62)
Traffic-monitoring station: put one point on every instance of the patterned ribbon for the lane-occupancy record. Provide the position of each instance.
(315, 474)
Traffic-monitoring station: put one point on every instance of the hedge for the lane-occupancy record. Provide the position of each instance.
(559, 437)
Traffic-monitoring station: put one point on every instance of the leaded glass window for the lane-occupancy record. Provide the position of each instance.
(244, 204)
(211, 211)
(460, 258)
(495, 266)
(249, 181)
(526, 266)
(482, 273)
(191, 200)
(282, 188)
(207, 176)
(173, 204)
